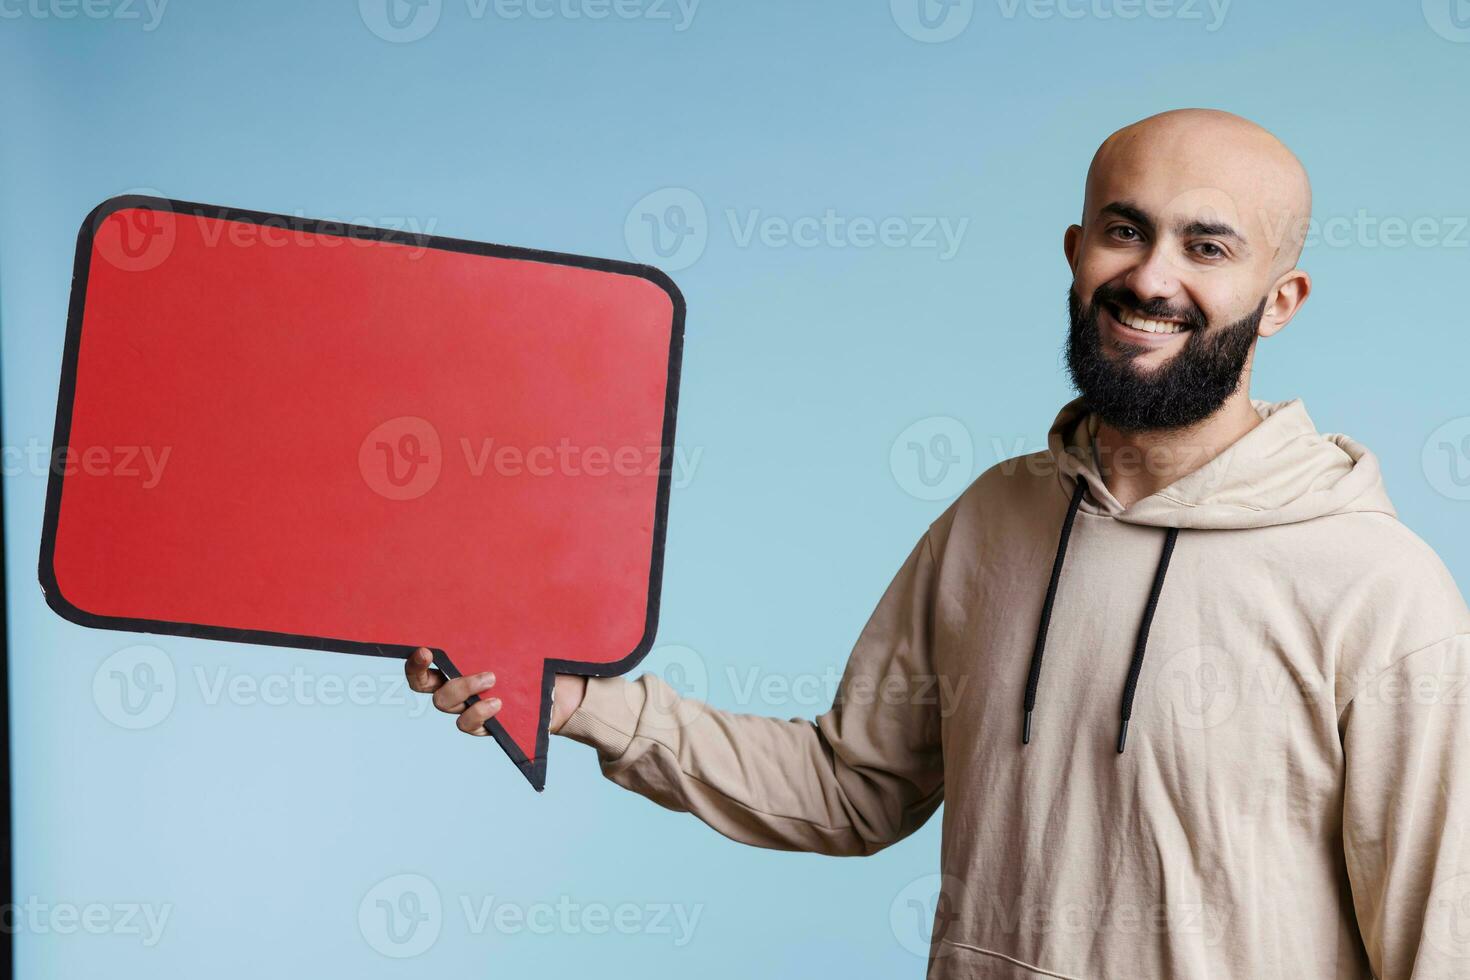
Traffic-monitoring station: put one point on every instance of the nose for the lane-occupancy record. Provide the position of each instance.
(1153, 277)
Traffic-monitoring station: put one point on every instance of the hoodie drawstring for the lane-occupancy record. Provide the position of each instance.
(1034, 678)
(1130, 687)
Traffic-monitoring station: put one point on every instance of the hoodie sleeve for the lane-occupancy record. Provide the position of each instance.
(1406, 812)
(865, 774)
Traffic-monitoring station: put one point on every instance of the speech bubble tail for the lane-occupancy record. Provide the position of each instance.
(521, 725)
(523, 739)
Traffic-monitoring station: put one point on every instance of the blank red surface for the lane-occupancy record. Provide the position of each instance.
(262, 368)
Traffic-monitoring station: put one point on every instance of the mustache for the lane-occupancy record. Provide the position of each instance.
(1154, 309)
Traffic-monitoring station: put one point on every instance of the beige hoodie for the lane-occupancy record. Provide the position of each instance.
(1293, 796)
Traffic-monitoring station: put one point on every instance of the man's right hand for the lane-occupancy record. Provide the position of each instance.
(450, 695)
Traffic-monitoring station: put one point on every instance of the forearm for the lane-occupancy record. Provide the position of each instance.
(762, 781)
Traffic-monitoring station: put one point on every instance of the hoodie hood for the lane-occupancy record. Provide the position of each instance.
(1281, 472)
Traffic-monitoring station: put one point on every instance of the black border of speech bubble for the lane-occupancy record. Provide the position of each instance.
(534, 769)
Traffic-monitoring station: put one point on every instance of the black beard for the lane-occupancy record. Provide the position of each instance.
(1187, 389)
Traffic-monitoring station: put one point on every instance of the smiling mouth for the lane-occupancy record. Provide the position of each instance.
(1146, 325)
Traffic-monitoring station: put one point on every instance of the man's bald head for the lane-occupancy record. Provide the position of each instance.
(1216, 160)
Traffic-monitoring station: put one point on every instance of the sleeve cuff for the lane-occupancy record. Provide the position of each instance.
(607, 717)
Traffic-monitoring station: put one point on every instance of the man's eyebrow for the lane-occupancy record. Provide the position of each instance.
(1130, 211)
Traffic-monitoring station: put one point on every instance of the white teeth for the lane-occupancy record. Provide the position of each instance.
(1151, 326)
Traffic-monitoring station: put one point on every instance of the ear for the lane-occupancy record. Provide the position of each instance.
(1286, 297)
(1071, 242)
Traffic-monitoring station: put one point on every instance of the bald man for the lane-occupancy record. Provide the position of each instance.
(1195, 699)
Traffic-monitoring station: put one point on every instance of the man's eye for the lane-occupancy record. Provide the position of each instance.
(1210, 250)
(1124, 233)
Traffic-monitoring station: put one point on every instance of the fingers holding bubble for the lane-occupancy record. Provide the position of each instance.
(452, 695)
(472, 720)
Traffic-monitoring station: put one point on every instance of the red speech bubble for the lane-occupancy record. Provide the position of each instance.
(293, 432)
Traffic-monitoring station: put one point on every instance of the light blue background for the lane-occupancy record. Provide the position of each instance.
(263, 828)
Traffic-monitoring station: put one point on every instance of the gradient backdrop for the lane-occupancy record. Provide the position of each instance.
(864, 204)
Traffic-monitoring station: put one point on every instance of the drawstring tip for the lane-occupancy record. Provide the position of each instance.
(1026, 730)
(1123, 736)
